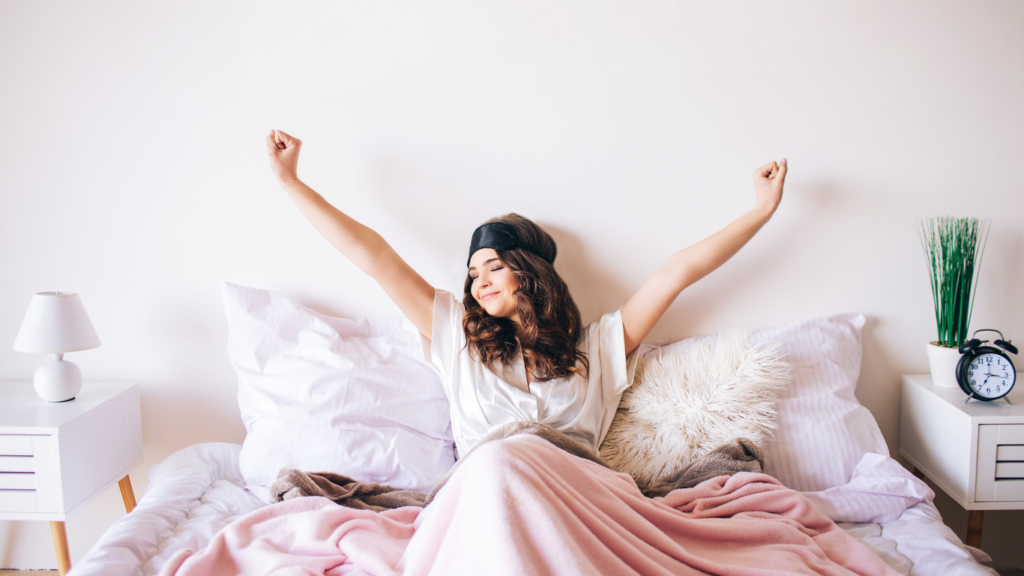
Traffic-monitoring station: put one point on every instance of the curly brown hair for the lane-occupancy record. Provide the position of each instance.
(550, 325)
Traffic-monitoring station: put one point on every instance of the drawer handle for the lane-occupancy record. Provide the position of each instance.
(1010, 471)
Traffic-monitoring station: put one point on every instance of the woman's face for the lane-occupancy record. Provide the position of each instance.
(494, 285)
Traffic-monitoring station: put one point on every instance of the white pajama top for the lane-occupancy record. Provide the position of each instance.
(481, 399)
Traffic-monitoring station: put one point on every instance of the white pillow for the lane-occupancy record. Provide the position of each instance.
(704, 393)
(319, 393)
(823, 431)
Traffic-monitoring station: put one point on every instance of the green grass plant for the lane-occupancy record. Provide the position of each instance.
(953, 248)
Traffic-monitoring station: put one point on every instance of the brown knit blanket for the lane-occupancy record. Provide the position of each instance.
(737, 456)
(342, 490)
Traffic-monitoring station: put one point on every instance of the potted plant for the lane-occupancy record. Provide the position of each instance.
(953, 248)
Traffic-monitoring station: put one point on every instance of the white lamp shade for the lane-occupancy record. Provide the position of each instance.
(56, 322)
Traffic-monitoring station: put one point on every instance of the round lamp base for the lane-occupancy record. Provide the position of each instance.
(58, 381)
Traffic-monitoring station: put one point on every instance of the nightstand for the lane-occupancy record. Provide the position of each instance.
(57, 457)
(973, 451)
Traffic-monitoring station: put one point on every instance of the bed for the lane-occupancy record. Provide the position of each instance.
(199, 490)
(378, 427)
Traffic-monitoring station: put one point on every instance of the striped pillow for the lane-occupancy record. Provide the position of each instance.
(823, 431)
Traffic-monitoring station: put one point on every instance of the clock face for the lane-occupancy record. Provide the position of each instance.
(990, 375)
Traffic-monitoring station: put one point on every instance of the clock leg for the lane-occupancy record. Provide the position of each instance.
(60, 546)
(126, 493)
(975, 518)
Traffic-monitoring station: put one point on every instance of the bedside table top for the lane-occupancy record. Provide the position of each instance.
(995, 412)
(22, 411)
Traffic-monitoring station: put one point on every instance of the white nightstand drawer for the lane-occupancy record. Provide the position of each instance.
(1008, 491)
(17, 481)
(1010, 453)
(15, 445)
(18, 500)
(17, 464)
(1009, 470)
(1000, 474)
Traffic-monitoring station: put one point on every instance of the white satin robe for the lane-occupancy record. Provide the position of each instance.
(480, 399)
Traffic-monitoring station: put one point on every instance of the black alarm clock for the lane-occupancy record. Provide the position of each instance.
(986, 372)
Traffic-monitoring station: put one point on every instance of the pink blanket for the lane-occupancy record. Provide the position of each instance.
(522, 506)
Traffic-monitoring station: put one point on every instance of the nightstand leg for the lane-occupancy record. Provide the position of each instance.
(60, 546)
(126, 493)
(975, 518)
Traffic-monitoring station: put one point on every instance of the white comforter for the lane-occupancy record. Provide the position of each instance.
(199, 490)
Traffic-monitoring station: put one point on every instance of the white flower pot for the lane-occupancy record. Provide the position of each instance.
(943, 363)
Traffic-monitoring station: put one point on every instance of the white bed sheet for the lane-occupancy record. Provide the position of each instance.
(199, 490)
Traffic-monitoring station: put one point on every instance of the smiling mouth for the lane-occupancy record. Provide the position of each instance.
(488, 296)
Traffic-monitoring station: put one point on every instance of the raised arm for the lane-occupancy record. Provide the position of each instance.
(643, 310)
(364, 247)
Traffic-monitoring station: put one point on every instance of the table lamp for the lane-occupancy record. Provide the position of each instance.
(56, 323)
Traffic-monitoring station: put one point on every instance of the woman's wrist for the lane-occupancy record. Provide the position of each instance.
(763, 213)
(289, 182)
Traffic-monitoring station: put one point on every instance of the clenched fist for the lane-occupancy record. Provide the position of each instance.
(284, 155)
(768, 181)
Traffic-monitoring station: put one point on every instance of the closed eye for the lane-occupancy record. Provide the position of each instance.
(495, 269)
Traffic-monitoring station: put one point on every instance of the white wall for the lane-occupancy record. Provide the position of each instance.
(133, 171)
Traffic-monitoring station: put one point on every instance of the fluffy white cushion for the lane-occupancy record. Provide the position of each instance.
(688, 398)
(319, 393)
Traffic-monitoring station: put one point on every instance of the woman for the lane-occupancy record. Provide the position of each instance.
(514, 349)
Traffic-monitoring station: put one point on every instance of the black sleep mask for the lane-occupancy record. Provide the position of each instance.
(499, 236)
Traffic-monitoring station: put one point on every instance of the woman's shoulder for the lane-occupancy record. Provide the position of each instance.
(445, 300)
(604, 330)
(610, 319)
(448, 316)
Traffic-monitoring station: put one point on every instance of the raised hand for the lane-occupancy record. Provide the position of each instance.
(768, 181)
(284, 155)
(649, 303)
